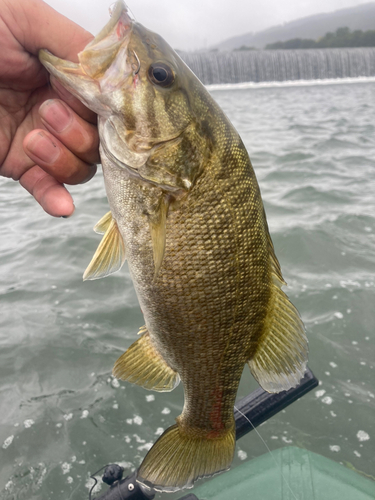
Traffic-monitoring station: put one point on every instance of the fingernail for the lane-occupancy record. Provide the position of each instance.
(55, 114)
(43, 147)
(68, 216)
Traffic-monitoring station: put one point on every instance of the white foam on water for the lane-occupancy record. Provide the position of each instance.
(335, 447)
(320, 393)
(286, 440)
(28, 423)
(8, 442)
(138, 420)
(138, 438)
(9, 485)
(115, 383)
(98, 486)
(290, 83)
(362, 436)
(145, 447)
(242, 455)
(66, 467)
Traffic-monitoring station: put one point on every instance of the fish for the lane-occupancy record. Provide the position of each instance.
(187, 214)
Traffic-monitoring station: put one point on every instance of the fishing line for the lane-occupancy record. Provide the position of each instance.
(272, 455)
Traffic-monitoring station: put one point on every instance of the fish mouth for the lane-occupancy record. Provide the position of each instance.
(103, 62)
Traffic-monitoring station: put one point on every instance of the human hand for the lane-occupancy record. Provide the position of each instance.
(47, 136)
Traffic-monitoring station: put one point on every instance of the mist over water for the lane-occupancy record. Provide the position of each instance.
(63, 416)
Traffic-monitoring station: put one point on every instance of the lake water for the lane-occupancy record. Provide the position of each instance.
(63, 416)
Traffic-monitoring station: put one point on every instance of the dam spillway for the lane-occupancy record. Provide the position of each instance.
(280, 65)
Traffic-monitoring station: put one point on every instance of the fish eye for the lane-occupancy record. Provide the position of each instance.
(161, 74)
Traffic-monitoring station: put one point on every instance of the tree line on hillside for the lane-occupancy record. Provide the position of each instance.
(342, 37)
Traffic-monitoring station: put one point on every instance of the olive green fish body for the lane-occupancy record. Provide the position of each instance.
(205, 309)
(187, 214)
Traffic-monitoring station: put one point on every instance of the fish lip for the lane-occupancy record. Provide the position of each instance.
(48, 59)
(118, 11)
(105, 59)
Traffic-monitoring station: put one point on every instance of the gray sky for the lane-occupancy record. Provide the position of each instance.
(195, 24)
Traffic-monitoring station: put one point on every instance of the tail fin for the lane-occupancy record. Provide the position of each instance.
(177, 459)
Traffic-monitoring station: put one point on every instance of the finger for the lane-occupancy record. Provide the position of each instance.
(47, 29)
(55, 159)
(48, 192)
(73, 102)
(79, 136)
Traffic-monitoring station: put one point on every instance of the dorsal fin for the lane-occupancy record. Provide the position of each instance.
(280, 359)
(110, 254)
(275, 264)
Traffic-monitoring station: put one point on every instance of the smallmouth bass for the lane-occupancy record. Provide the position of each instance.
(187, 214)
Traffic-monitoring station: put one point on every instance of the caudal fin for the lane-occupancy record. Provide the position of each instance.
(178, 459)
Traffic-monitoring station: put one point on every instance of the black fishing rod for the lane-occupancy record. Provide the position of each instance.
(252, 411)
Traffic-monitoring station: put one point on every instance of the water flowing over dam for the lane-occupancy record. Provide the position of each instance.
(280, 65)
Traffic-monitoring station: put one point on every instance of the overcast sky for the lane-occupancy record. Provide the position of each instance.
(195, 24)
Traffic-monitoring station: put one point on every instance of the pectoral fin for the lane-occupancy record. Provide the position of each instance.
(142, 364)
(102, 225)
(110, 254)
(158, 223)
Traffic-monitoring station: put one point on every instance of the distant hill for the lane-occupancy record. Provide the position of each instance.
(361, 17)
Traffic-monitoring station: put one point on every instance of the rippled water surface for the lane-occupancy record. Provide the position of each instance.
(62, 414)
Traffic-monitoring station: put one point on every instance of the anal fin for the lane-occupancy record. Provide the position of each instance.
(142, 364)
(280, 359)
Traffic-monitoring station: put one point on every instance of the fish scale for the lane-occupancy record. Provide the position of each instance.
(187, 213)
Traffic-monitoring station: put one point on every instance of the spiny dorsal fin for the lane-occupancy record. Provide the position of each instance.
(102, 226)
(142, 364)
(158, 223)
(109, 256)
(280, 360)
